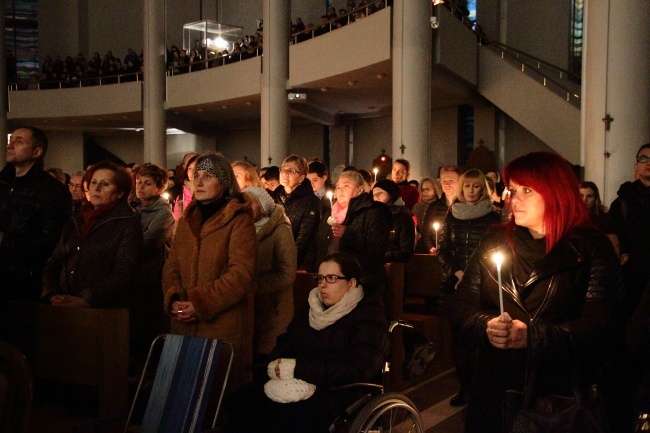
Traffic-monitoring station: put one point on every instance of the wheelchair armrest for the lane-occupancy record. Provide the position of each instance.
(359, 385)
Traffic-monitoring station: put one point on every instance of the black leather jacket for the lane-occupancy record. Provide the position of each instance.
(33, 210)
(568, 300)
(303, 209)
(401, 243)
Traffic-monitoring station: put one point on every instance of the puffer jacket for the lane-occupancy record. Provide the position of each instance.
(100, 268)
(568, 304)
(367, 230)
(276, 272)
(303, 209)
(401, 243)
(457, 241)
(352, 349)
(33, 211)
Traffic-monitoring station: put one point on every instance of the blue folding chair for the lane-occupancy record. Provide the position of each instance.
(183, 384)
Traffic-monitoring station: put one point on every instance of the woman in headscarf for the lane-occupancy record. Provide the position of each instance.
(208, 277)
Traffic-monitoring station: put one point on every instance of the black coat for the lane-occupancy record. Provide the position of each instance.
(457, 241)
(352, 349)
(630, 217)
(303, 209)
(367, 229)
(436, 212)
(568, 300)
(401, 243)
(102, 267)
(33, 210)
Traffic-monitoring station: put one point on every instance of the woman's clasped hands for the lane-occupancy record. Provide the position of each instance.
(507, 333)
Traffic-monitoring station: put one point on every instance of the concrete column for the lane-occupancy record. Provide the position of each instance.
(412, 83)
(275, 118)
(153, 101)
(3, 87)
(615, 82)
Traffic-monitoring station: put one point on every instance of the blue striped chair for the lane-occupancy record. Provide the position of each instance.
(183, 384)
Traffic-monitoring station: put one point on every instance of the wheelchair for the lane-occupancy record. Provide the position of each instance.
(378, 411)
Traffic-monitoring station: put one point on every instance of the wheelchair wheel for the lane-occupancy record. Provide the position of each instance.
(388, 413)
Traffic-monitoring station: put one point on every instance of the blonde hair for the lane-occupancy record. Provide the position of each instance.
(251, 177)
(470, 175)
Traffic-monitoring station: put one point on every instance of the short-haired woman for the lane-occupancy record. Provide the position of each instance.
(341, 338)
(559, 277)
(100, 249)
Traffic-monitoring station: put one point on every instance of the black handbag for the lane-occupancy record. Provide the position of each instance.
(553, 413)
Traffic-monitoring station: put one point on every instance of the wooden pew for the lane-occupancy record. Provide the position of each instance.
(74, 345)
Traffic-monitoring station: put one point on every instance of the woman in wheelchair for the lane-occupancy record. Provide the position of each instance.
(341, 338)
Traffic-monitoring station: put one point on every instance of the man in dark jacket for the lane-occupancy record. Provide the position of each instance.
(33, 208)
(630, 217)
(401, 244)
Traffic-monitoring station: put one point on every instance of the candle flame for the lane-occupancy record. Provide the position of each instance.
(166, 195)
(375, 170)
(436, 226)
(329, 194)
(497, 258)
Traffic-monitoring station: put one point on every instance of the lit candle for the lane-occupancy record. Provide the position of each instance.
(436, 226)
(329, 195)
(497, 258)
(375, 170)
(166, 195)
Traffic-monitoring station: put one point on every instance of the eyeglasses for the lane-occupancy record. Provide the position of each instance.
(328, 278)
(643, 159)
(289, 171)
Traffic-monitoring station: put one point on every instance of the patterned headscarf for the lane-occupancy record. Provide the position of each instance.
(206, 164)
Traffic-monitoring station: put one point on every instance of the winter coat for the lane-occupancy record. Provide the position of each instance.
(158, 225)
(401, 242)
(213, 266)
(457, 241)
(568, 300)
(352, 349)
(276, 272)
(367, 230)
(436, 212)
(630, 217)
(33, 211)
(303, 209)
(100, 268)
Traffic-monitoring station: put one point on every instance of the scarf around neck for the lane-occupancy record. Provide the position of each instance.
(321, 318)
(339, 212)
(464, 211)
(91, 216)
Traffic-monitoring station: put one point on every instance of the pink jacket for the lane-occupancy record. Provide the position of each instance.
(182, 201)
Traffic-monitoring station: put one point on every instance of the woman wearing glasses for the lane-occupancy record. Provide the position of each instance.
(300, 203)
(341, 338)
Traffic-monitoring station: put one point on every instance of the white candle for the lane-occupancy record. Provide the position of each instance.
(497, 258)
(375, 170)
(329, 195)
(436, 226)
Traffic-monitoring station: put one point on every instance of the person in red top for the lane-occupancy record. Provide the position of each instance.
(400, 174)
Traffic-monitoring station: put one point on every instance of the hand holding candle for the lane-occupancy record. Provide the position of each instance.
(497, 258)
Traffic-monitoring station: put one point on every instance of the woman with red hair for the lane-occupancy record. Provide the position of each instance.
(560, 281)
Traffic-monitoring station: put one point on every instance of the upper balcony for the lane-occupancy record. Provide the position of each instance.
(346, 73)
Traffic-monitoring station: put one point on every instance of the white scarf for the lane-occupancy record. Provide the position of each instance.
(321, 318)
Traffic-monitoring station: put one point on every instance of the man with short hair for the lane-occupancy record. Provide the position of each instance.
(271, 178)
(76, 190)
(400, 175)
(630, 217)
(317, 175)
(33, 208)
